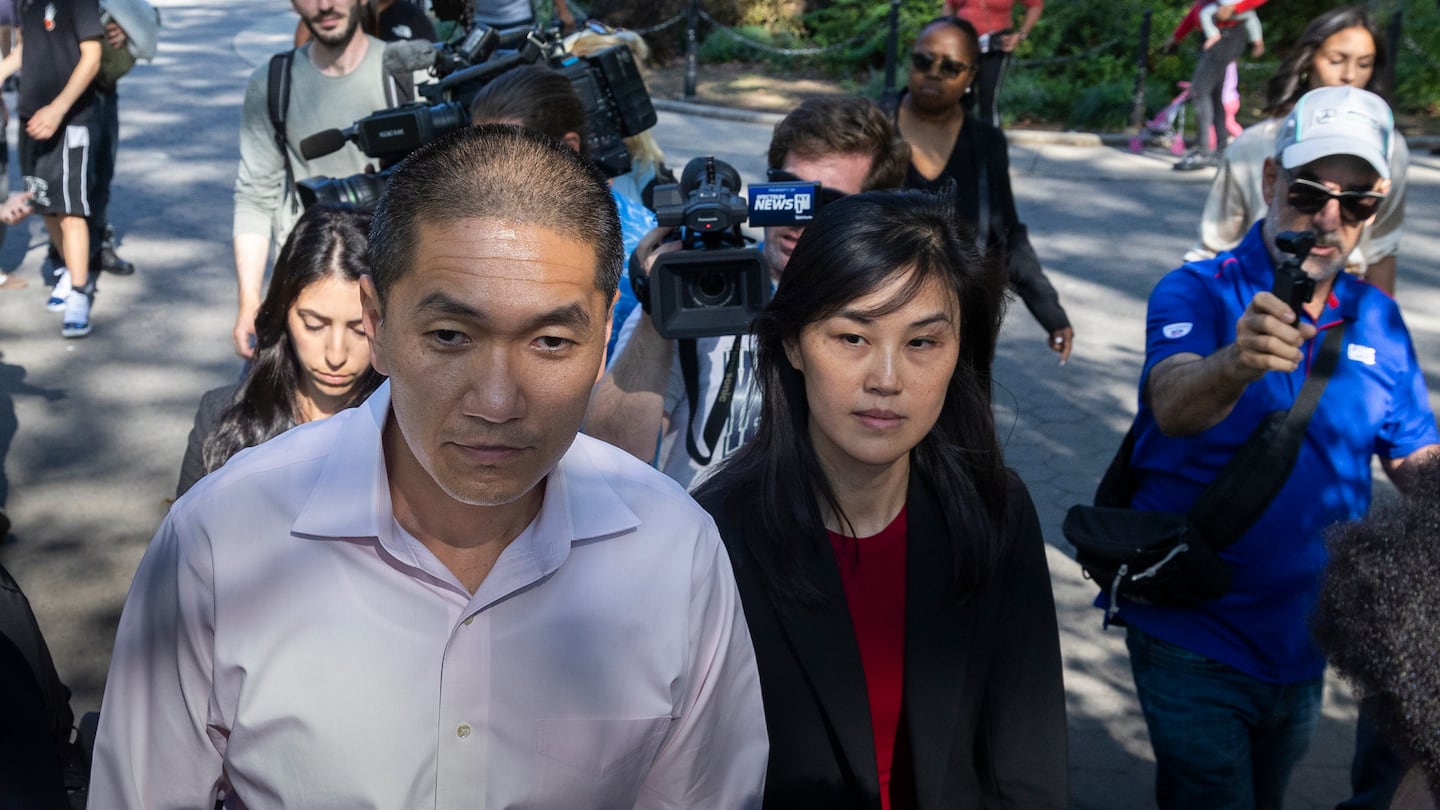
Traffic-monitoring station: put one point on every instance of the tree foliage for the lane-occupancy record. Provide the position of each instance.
(1078, 68)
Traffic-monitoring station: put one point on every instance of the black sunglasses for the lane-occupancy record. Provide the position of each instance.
(827, 195)
(949, 68)
(1309, 197)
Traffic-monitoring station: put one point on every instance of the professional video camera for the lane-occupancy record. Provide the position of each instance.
(608, 83)
(715, 284)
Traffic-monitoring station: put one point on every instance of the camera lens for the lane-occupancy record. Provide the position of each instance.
(711, 288)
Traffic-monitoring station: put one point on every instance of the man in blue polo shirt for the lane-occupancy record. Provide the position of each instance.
(1231, 689)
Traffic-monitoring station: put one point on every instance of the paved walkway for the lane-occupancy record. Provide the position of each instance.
(92, 431)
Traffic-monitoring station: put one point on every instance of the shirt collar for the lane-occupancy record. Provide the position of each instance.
(351, 497)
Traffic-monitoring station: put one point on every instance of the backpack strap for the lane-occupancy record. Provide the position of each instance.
(277, 103)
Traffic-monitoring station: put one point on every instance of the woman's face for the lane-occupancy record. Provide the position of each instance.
(1346, 57)
(944, 48)
(876, 385)
(329, 339)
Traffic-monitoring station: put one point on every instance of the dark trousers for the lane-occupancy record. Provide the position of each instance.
(1207, 87)
(104, 141)
(1222, 738)
(987, 85)
(1376, 770)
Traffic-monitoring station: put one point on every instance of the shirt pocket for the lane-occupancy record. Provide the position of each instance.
(602, 746)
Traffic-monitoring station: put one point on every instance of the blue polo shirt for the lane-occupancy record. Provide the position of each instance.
(1375, 404)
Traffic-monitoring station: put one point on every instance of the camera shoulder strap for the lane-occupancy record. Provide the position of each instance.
(1255, 473)
(277, 102)
(1259, 469)
(720, 411)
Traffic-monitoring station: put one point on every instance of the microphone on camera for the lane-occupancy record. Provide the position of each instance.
(409, 56)
(326, 141)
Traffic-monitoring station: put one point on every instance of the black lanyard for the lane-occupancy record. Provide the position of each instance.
(720, 411)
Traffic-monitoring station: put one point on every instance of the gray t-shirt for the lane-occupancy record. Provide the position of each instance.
(317, 102)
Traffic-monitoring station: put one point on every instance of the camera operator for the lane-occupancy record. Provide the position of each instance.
(847, 145)
(1223, 353)
(337, 77)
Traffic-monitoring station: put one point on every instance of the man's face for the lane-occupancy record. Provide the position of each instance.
(841, 171)
(331, 22)
(1337, 230)
(492, 342)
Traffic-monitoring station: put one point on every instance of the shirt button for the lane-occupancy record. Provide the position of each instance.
(463, 730)
(469, 619)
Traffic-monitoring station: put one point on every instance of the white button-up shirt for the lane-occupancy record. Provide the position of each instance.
(286, 643)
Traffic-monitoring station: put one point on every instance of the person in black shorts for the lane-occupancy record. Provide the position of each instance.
(59, 52)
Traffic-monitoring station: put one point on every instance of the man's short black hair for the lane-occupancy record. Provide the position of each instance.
(500, 172)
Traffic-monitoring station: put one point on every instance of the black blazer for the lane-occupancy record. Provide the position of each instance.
(984, 702)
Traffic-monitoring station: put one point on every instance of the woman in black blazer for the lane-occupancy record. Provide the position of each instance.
(892, 570)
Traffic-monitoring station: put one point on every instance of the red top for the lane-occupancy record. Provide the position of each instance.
(872, 571)
(989, 15)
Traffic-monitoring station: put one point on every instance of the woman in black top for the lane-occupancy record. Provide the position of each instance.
(892, 570)
(948, 145)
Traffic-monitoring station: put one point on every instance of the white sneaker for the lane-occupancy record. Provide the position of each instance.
(60, 294)
(77, 315)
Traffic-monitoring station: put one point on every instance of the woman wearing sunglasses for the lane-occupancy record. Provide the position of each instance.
(1338, 48)
(891, 568)
(948, 145)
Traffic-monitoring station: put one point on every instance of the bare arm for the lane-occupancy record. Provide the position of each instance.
(10, 65)
(1032, 16)
(251, 250)
(628, 406)
(567, 19)
(1190, 393)
(1404, 471)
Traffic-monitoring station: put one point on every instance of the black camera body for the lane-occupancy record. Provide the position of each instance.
(608, 83)
(716, 284)
(1292, 284)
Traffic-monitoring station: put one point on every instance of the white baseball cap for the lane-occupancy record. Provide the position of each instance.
(1340, 120)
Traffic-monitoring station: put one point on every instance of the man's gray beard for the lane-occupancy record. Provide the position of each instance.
(1277, 255)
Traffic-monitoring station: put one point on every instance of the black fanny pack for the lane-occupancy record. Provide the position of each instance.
(1163, 558)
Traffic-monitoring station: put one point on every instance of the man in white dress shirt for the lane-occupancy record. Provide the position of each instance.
(445, 597)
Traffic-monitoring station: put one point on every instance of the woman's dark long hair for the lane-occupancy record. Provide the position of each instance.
(328, 242)
(859, 245)
(1292, 78)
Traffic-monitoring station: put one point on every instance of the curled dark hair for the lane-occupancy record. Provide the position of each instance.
(328, 242)
(1292, 78)
(843, 125)
(1379, 607)
(859, 245)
